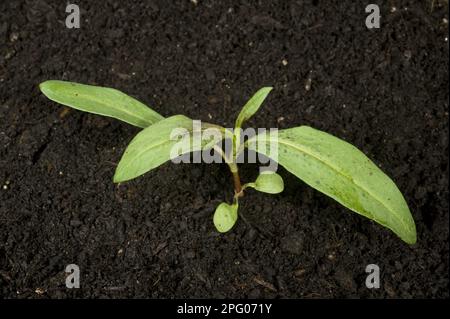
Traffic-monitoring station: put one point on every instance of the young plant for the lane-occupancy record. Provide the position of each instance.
(324, 162)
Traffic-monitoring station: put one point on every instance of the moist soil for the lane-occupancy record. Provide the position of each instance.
(384, 90)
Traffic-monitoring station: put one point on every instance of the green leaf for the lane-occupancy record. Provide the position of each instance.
(100, 100)
(339, 170)
(252, 106)
(225, 217)
(268, 182)
(163, 141)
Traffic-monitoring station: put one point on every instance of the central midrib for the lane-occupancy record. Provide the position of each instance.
(281, 141)
(124, 110)
(189, 131)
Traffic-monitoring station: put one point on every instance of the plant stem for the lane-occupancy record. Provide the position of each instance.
(237, 184)
(238, 190)
(236, 179)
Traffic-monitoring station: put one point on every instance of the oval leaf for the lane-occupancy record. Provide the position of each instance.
(341, 171)
(268, 182)
(225, 217)
(163, 141)
(100, 100)
(252, 106)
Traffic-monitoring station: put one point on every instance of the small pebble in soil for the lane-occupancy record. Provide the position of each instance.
(300, 272)
(264, 283)
(390, 291)
(308, 82)
(310, 109)
(14, 37)
(284, 62)
(39, 291)
(331, 256)
(407, 54)
(9, 54)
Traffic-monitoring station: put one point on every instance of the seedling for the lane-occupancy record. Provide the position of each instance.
(324, 162)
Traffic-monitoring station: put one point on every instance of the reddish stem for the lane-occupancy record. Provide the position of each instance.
(237, 184)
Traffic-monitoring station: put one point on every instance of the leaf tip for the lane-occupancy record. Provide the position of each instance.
(117, 178)
(48, 87)
(411, 238)
(43, 86)
(266, 89)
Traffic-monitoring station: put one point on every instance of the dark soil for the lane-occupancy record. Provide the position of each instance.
(384, 90)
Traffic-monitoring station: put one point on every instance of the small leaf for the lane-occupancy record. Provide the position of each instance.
(157, 144)
(225, 217)
(100, 100)
(252, 106)
(341, 171)
(268, 182)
